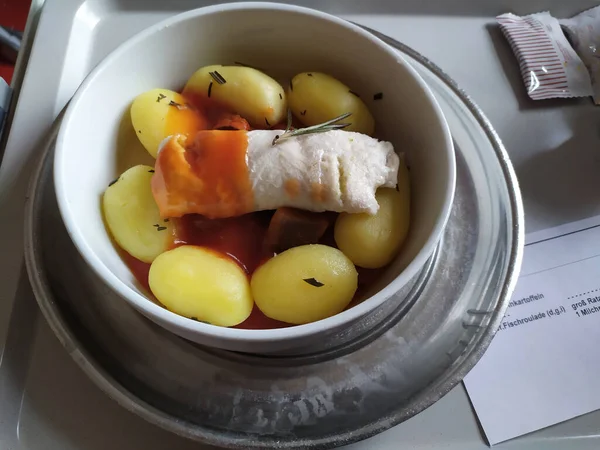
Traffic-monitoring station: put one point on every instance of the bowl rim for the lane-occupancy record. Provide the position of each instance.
(189, 326)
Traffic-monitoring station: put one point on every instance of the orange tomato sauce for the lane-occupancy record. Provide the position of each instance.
(242, 239)
(206, 173)
(184, 119)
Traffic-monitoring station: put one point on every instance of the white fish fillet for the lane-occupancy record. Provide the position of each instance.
(335, 171)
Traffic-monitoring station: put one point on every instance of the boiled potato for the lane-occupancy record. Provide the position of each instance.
(315, 98)
(132, 215)
(372, 241)
(304, 284)
(154, 117)
(200, 284)
(246, 91)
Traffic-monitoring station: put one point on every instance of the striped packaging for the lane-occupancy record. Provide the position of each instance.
(549, 65)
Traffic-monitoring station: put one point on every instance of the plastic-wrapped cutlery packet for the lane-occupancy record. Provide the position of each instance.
(558, 58)
(549, 65)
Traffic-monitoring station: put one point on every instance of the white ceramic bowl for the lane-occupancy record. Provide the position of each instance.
(96, 141)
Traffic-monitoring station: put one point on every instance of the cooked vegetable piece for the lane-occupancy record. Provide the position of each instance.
(316, 97)
(159, 113)
(372, 241)
(246, 91)
(304, 284)
(291, 227)
(132, 215)
(198, 283)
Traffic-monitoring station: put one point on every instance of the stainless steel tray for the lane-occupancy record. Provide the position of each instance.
(328, 398)
(46, 400)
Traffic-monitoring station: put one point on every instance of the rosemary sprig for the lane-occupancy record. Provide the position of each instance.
(320, 128)
(313, 282)
(217, 77)
(178, 105)
(288, 127)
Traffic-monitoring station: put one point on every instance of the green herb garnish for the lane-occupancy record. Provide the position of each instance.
(313, 282)
(209, 89)
(198, 320)
(178, 105)
(217, 77)
(330, 125)
(161, 228)
(378, 96)
(113, 182)
(267, 122)
(151, 171)
(160, 97)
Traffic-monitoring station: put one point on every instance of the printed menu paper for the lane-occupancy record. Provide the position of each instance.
(543, 364)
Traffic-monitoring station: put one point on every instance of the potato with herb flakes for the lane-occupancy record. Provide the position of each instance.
(255, 96)
(198, 283)
(304, 284)
(159, 113)
(373, 241)
(316, 97)
(132, 216)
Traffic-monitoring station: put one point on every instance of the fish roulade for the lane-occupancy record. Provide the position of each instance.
(224, 173)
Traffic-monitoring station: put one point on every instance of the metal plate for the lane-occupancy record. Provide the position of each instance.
(323, 400)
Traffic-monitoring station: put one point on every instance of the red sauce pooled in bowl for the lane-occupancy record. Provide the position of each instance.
(242, 239)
